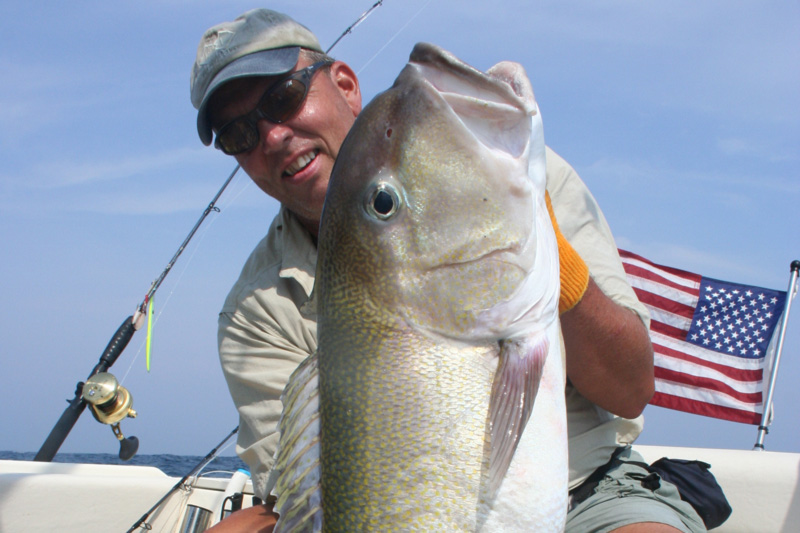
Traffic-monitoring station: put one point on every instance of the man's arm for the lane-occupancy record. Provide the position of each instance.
(609, 355)
(608, 351)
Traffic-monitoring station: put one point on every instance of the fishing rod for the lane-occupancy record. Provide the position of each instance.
(109, 401)
(197, 468)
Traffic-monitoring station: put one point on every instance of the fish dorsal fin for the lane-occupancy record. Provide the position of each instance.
(295, 477)
(513, 393)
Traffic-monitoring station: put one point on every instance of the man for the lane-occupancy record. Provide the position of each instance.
(282, 109)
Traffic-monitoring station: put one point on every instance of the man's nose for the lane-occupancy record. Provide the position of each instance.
(273, 137)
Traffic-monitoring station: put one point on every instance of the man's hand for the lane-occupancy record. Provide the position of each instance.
(257, 519)
(573, 272)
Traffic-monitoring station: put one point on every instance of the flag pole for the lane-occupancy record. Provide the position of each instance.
(763, 428)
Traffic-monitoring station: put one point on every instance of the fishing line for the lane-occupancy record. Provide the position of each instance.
(122, 336)
(142, 522)
(242, 184)
(393, 37)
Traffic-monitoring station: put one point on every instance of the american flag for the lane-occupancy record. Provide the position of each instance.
(711, 339)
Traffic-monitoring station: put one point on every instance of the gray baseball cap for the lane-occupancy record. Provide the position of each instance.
(260, 42)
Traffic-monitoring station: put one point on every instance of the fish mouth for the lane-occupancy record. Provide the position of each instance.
(505, 255)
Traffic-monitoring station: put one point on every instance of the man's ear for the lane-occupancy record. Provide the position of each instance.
(347, 82)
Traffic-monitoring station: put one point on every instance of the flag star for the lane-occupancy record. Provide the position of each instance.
(706, 341)
(695, 337)
(760, 319)
(730, 348)
(703, 309)
(768, 315)
(773, 300)
(756, 352)
(729, 296)
(761, 296)
(735, 291)
(715, 336)
(740, 299)
(726, 340)
(703, 332)
(739, 344)
(718, 345)
(749, 293)
(735, 335)
(743, 330)
(715, 314)
(764, 327)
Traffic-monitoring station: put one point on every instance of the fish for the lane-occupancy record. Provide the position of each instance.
(435, 399)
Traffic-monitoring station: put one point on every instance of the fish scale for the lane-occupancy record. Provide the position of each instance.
(435, 399)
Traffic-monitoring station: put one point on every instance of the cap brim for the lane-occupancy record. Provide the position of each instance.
(262, 63)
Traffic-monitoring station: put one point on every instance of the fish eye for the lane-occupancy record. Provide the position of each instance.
(383, 202)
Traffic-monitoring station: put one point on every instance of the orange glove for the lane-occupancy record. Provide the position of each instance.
(573, 270)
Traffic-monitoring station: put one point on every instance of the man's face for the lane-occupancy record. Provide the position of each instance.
(292, 161)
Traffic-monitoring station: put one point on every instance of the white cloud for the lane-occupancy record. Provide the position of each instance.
(750, 148)
(71, 173)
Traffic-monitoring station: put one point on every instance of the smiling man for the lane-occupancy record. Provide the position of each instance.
(282, 108)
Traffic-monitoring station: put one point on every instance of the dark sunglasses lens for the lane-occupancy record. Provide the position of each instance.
(283, 101)
(237, 137)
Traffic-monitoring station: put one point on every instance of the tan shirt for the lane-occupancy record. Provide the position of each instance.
(264, 334)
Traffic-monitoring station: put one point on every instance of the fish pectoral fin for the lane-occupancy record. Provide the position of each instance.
(514, 390)
(295, 477)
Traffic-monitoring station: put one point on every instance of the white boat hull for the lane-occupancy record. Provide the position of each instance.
(762, 488)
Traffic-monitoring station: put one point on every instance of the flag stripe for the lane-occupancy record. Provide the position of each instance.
(701, 395)
(710, 356)
(674, 274)
(732, 373)
(665, 304)
(698, 381)
(669, 331)
(706, 409)
(675, 282)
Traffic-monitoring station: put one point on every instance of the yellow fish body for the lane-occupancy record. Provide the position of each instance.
(437, 295)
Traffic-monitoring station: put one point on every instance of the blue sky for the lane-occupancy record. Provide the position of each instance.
(682, 117)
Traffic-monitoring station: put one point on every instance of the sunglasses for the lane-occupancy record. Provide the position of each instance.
(278, 104)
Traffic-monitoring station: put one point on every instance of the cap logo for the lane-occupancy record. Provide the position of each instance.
(214, 42)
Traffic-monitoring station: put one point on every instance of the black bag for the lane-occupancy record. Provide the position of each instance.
(697, 486)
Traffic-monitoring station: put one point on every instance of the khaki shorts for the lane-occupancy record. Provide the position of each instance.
(620, 500)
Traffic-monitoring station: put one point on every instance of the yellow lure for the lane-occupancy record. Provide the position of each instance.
(149, 332)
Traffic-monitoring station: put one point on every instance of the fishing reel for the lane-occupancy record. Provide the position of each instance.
(110, 402)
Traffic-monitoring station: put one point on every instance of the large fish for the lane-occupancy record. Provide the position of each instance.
(436, 295)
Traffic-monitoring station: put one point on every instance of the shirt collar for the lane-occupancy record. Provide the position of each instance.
(299, 251)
